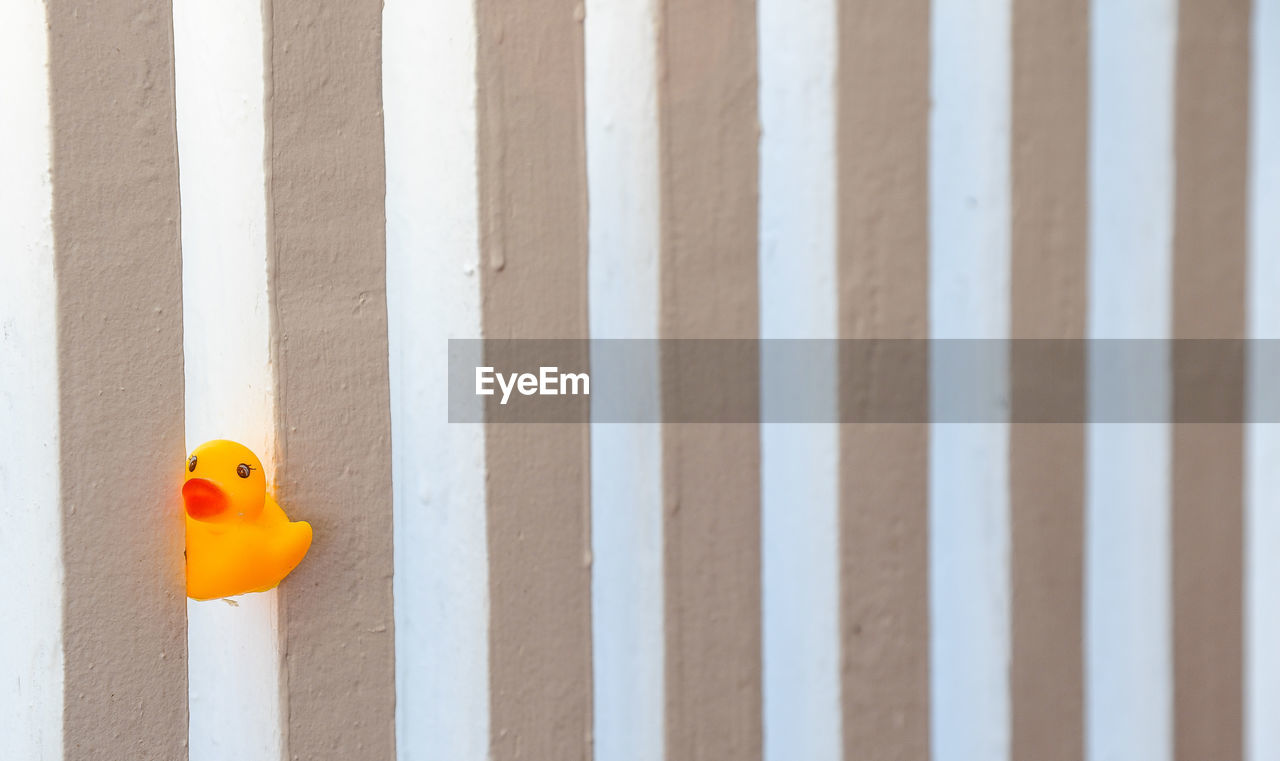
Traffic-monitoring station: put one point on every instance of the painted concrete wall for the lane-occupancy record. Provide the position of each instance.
(1049, 146)
(969, 228)
(799, 299)
(1127, 638)
(94, 639)
(234, 647)
(327, 272)
(624, 202)
(946, 169)
(882, 188)
(433, 294)
(533, 216)
(1262, 495)
(31, 658)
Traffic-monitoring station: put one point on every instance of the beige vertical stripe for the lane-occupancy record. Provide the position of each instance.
(533, 219)
(1209, 297)
(328, 281)
(118, 262)
(1049, 280)
(883, 144)
(709, 289)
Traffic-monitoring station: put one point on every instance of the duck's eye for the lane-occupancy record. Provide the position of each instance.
(242, 470)
(191, 464)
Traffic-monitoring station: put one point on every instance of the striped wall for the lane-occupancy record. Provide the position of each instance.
(265, 221)
(91, 386)
(620, 46)
(799, 555)
(882, 206)
(1049, 217)
(233, 652)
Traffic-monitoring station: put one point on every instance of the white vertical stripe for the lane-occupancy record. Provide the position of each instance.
(1262, 496)
(969, 298)
(799, 462)
(30, 543)
(1127, 615)
(234, 652)
(433, 294)
(626, 459)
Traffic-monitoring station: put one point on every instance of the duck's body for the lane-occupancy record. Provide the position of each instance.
(225, 560)
(238, 538)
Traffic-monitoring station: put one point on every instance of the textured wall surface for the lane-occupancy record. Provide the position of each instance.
(115, 235)
(31, 542)
(799, 297)
(709, 289)
(328, 278)
(1210, 262)
(1049, 155)
(883, 96)
(433, 294)
(533, 275)
(1262, 443)
(233, 650)
(627, 637)
(675, 168)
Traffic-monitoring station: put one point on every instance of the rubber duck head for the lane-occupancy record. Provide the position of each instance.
(224, 483)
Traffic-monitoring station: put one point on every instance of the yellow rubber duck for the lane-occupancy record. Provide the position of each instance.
(238, 538)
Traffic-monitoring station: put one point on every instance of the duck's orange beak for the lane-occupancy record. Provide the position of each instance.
(203, 498)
